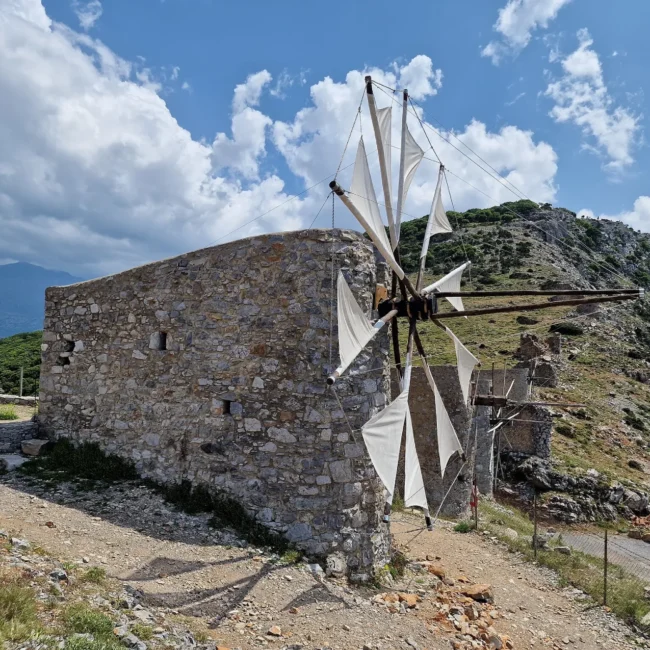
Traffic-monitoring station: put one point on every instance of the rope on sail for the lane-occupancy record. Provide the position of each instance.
(356, 117)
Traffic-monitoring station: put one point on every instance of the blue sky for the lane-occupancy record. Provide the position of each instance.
(556, 102)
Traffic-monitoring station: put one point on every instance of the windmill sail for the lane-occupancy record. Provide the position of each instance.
(438, 222)
(409, 163)
(383, 437)
(365, 208)
(465, 361)
(448, 442)
(355, 331)
(451, 283)
(384, 116)
(414, 492)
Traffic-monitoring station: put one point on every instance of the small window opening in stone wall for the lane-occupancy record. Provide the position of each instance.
(158, 341)
(64, 356)
(226, 407)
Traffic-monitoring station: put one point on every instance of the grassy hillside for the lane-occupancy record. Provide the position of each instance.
(606, 364)
(16, 351)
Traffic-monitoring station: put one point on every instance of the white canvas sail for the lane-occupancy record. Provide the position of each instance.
(384, 118)
(448, 443)
(355, 331)
(365, 208)
(413, 155)
(465, 361)
(383, 437)
(451, 283)
(414, 493)
(438, 222)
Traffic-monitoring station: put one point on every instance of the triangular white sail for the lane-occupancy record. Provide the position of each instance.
(354, 328)
(364, 200)
(383, 437)
(451, 283)
(384, 117)
(465, 361)
(413, 155)
(438, 222)
(414, 492)
(448, 442)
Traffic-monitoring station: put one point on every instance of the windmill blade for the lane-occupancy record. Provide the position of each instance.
(437, 222)
(381, 125)
(383, 437)
(465, 362)
(448, 442)
(355, 330)
(362, 202)
(450, 283)
(411, 156)
(414, 492)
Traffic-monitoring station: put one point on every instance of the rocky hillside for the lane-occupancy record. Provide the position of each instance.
(605, 359)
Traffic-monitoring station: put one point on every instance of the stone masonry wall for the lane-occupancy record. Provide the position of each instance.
(440, 490)
(211, 367)
(13, 433)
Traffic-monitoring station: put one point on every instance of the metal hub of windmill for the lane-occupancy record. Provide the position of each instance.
(414, 303)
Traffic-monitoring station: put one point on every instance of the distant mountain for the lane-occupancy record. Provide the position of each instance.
(22, 296)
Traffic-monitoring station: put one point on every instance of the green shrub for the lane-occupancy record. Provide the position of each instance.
(464, 527)
(8, 412)
(95, 574)
(17, 610)
(84, 620)
(65, 461)
(16, 352)
(568, 329)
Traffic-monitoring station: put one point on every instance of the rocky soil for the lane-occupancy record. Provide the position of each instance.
(199, 587)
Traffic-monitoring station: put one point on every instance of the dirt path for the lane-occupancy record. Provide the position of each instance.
(185, 567)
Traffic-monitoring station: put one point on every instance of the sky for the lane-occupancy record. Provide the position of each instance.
(133, 130)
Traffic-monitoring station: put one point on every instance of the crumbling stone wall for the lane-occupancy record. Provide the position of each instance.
(211, 367)
(13, 433)
(452, 495)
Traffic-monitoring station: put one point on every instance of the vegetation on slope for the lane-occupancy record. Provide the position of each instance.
(20, 350)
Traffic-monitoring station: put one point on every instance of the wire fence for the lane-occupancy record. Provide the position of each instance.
(611, 566)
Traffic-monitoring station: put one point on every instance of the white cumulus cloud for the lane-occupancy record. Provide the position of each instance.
(638, 217)
(516, 23)
(88, 12)
(96, 174)
(581, 97)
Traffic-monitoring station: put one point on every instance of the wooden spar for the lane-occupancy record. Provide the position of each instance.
(402, 158)
(336, 188)
(377, 326)
(437, 283)
(532, 292)
(385, 179)
(425, 241)
(536, 307)
(499, 401)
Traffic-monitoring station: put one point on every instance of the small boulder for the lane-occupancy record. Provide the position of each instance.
(410, 600)
(33, 447)
(480, 593)
(437, 570)
(275, 631)
(564, 550)
(633, 463)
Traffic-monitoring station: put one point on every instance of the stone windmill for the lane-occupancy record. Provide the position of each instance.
(411, 302)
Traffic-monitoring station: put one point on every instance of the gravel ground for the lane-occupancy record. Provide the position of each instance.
(250, 598)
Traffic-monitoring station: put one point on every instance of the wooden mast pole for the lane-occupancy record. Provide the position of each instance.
(385, 173)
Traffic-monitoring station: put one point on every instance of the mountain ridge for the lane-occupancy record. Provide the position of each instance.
(22, 295)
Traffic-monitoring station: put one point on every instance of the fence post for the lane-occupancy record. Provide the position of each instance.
(535, 540)
(21, 380)
(605, 572)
